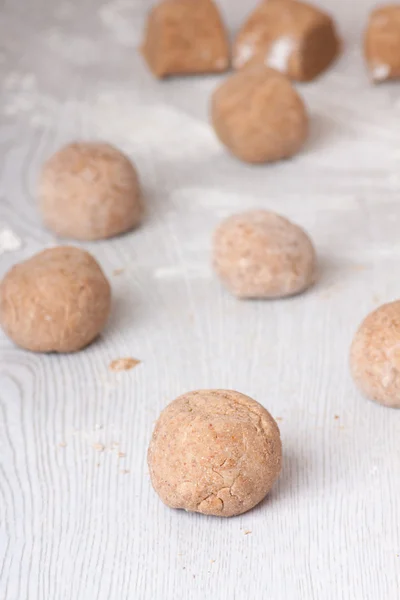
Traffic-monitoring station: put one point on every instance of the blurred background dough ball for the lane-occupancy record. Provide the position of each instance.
(90, 191)
(216, 452)
(258, 115)
(259, 254)
(375, 355)
(57, 301)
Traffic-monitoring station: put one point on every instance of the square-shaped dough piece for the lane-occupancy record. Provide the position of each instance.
(292, 37)
(185, 37)
(382, 43)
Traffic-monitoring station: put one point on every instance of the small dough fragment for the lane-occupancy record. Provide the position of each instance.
(382, 43)
(57, 301)
(90, 191)
(186, 37)
(259, 254)
(375, 355)
(292, 37)
(258, 115)
(216, 452)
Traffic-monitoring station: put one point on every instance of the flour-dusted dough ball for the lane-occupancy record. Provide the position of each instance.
(259, 116)
(216, 452)
(57, 301)
(290, 36)
(375, 355)
(382, 43)
(259, 254)
(90, 191)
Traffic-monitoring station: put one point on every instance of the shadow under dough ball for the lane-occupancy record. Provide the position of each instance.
(258, 115)
(90, 191)
(259, 254)
(375, 355)
(57, 301)
(216, 452)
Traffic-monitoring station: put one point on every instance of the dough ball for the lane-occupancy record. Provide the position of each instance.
(382, 43)
(185, 37)
(216, 452)
(290, 36)
(375, 355)
(90, 191)
(259, 116)
(259, 254)
(57, 301)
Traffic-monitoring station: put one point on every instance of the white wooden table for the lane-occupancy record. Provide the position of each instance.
(78, 517)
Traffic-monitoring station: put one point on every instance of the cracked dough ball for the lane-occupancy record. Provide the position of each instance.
(258, 115)
(216, 452)
(259, 254)
(90, 191)
(375, 355)
(57, 301)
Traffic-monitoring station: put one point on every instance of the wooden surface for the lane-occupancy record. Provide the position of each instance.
(78, 517)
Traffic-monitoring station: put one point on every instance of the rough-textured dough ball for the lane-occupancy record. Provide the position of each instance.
(259, 116)
(259, 254)
(57, 301)
(375, 355)
(216, 452)
(90, 191)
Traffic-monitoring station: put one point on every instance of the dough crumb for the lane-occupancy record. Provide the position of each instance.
(247, 532)
(117, 272)
(123, 364)
(62, 444)
(99, 447)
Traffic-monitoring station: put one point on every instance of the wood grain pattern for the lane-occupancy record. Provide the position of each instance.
(79, 520)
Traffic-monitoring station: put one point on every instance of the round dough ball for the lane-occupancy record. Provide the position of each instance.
(375, 355)
(90, 191)
(57, 301)
(259, 116)
(259, 254)
(216, 452)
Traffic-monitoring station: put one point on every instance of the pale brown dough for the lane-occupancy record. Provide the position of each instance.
(57, 301)
(259, 254)
(185, 37)
(217, 452)
(258, 115)
(382, 43)
(296, 38)
(90, 191)
(375, 355)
